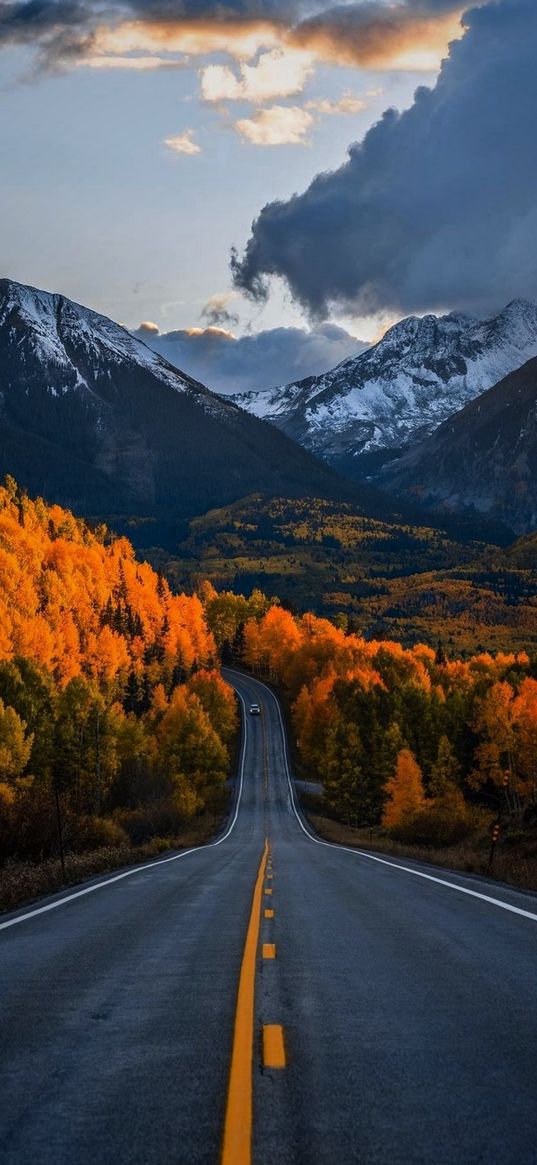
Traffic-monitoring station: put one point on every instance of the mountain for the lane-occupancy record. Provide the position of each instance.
(91, 418)
(484, 458)
(368, 408)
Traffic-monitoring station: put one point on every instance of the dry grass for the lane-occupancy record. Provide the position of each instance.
(513, 864)
(22, 882)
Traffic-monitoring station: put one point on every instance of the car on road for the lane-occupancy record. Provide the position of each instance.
(255, 710)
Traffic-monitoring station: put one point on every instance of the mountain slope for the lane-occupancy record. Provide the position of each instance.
(484, 457)
(91, 418)
(423, 370)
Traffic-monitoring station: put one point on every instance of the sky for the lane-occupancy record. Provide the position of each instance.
(356, 161)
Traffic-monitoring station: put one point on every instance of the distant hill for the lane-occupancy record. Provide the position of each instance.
(94, 420)
(372, 406)
(482, 459)
(385, 579)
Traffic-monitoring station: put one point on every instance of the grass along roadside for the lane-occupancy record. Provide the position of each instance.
(515, 861)
(21, 883)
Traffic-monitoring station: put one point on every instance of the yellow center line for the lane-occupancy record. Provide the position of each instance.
(269, 950)
(237, 1144)
(268, 890)
(269, 914)
(273, 1046)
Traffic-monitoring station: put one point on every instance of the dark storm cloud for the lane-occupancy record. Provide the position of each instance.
(216, 313)
(262, 360)
(438, 205)
(28, 22)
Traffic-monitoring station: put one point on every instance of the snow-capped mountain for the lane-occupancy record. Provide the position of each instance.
(483, 458)
(397, 392)
(75, 344)
(91, 418)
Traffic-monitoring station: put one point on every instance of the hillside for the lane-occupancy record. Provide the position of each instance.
(368, 408)
(483, 459)
(114, 722)
(389, 580)
(92, 419)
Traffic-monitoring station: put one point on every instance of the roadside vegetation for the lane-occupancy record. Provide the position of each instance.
(115, 724)
(412, 749)
(117, 731)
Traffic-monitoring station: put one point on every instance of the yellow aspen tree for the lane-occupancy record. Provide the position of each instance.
(405, 790)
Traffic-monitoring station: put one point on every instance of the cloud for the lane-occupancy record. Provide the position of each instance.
(371, 33)
(140, 63)
(240, 39)
(148, 327)
(262, 360)
(183, 143)
(347, 103)
(437, 207)
(216, 311)
(381, 36)
(275, 74)
(280, 125)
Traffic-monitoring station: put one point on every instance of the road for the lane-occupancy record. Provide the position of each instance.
(399, 1001)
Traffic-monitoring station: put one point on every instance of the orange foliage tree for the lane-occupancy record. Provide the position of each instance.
(405, 791)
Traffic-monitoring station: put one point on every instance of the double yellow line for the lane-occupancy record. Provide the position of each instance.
(237, 1143)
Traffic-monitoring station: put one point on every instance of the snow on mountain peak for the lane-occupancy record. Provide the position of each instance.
(422, 371)
(61, 333)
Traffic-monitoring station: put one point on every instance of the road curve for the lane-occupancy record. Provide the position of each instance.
(398, 1001)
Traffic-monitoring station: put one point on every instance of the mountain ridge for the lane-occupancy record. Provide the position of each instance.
(424, 369)
(93, 419)
(484, 458)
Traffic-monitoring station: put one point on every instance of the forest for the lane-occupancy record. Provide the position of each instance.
(118, 733)
(115, 724)
(430, 748)
(384, 579)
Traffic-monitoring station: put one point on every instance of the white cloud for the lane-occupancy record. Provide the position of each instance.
(347, 103)
(136, 63)
(275, 74)
(277, 126)
(183, 143)
(194, 38)
(281, 125)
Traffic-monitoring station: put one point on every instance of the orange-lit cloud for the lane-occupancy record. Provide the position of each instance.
(149, 326)
(375, 36)
(390, 38)
(238, 39)
(220, 333)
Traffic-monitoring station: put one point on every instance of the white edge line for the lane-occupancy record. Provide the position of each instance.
(372, 857)
(148, 865)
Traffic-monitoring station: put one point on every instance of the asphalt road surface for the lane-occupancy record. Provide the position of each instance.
(399, 1002)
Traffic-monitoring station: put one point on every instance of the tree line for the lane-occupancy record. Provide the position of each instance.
(115, 724)
(403, 737)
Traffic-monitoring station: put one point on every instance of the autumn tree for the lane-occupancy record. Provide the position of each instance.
(445, 771)
(15, 744)
(405, 791)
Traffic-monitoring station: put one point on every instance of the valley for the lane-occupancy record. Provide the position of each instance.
(382, 579)
(93, 419)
